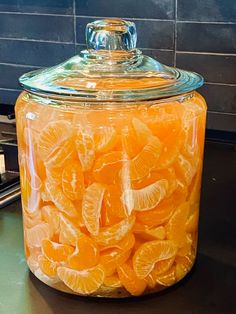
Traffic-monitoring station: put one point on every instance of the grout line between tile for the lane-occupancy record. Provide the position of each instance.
(206, 53)
(124, 18)
(37, 40)
(21, 65)
(221, 84)
(36, 14)
(74, 24)
(175, 31)
(206, 22)
(10, 89)
(222, 113)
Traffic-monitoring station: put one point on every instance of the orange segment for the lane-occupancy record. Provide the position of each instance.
(112, 258)
(130, 281)
(91, 207)
(63, 203)
(56, 252)
(48, 267)
(35, 235)
(146, 160)
(148, 233)
(53, 137)
(85, 148)
(149, 253)
(183, 265)
(73, 181)
(146, 198)
(167, 278)
(86, 254)
(69, 232)
(61, 155)
(54, 175)
(129, 142)
(112, 281)
(157, 216)
(107, 167)
(185, 170)
(84, 281)
(105, 139)
(125, 244)
(50, 214)
(114, 234)
(175, 228)
(143, 133)
(192, 222)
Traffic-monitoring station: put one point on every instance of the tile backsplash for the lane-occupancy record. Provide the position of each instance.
(197, 35)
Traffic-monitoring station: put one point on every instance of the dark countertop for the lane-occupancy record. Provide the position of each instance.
(209, 288)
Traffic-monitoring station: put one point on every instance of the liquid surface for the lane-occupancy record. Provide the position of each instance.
(110, 196)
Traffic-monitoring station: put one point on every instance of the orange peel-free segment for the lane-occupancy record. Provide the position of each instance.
(91, 207)
(112, 281)
(157, 216)
(146, 160)
(175, 228)
(35, 235)
(86, 254)
(142, 131)
(146, 198)
(105, 139)
(149, 253)
(48, 267)
(51, 137)
(50, 214)
(113, 234)
(56, 252)
(112, 258)
(130, 281)
(73, 181)
(185, 170)
(62, 202)
(107, 167)
(69, 233)
(85, 148)
(167, 278)
(84, 281)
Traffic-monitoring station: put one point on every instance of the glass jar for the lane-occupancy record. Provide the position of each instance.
(110, 152)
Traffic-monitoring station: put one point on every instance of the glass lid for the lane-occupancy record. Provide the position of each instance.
(111, 69)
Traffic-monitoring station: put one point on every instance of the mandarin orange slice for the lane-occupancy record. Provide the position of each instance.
(129, 143)
(91, 207)
(73, 181)
(167, 278)
(85, 148)
(63, 203)
(146, 160)
(130, 281)
(31, 219)
(56, 252)
(50, 214)
(149, 253)
(86, 254)
(84, 281)
(185, 170)
(48, 267)
(107, 167)
(105, 139)
(35, 235)
(143, 133)
(61, 155)
(146, 198)
(54, 175)
(112, 258)
(175, 228)
(113, 234)
(192, 222)
(125, 244)
(69, 232)
(112, 281)
(148, 233)
(183, 265)
(157, 216)
(52, 137)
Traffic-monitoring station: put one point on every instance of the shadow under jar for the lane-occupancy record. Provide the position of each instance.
(110, 152)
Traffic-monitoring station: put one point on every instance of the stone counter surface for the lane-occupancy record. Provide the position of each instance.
(209, 288)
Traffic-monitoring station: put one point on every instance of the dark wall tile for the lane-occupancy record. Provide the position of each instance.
(221, 121)
(40, 27)
(10, 75)
(42, 6)
(34, 53)
(151, 34)
(206, 37)
(214, 68)
(158, 9)
(8, 97)
(220, 98)
(165, 57)
(207, 10)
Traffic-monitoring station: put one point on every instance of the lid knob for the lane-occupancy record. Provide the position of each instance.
(111, 34)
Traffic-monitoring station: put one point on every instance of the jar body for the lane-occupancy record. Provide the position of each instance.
(110, 192)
